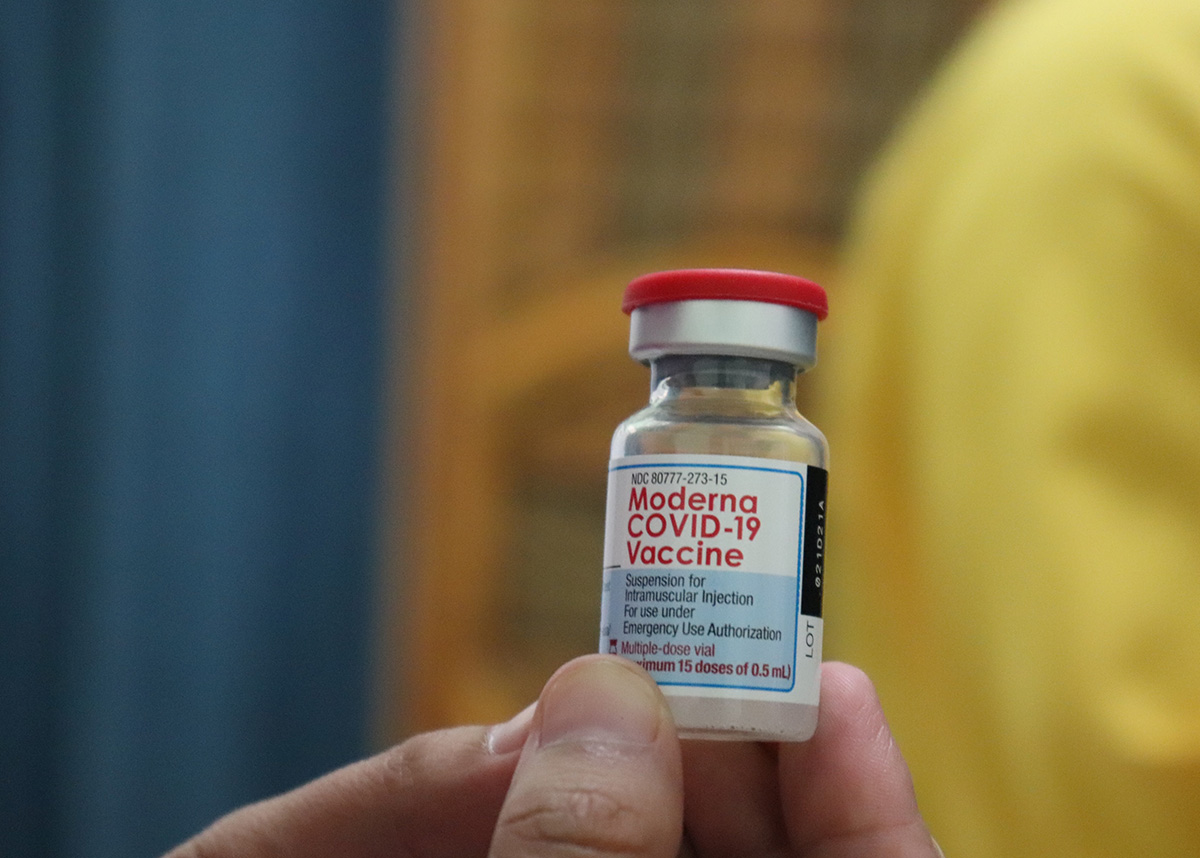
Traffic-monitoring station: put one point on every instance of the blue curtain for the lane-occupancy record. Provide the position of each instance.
(191, 295)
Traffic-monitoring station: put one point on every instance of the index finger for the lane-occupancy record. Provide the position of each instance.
(436, 794)
(848, 791)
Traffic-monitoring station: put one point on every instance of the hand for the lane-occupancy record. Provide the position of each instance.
(596, 769)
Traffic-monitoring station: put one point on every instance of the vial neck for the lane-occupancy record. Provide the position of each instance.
(722, 380)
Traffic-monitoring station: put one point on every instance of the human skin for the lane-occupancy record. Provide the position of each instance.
(595, 768)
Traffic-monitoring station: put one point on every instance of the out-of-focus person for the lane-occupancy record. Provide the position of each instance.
(1013, 405)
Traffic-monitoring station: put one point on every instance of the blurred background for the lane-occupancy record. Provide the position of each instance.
(556, 151)
(310, 348)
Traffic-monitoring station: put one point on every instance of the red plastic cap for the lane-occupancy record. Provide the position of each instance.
(725, 284)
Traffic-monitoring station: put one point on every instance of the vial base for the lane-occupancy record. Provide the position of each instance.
(716, 718)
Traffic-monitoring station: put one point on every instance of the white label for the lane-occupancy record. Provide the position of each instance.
(706, 580)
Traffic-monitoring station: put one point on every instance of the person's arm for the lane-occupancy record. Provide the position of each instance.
(596, 769)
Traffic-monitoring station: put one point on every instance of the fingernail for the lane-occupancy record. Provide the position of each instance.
(511, 735)
(600, 701)
(940, 853)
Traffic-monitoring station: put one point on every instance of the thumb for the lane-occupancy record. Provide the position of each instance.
(600, 773)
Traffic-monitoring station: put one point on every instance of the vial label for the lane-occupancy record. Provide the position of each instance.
(713, 574)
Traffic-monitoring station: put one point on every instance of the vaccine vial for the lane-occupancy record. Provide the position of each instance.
(714, 550)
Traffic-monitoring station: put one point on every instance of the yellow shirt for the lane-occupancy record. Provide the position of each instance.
(1013, 404)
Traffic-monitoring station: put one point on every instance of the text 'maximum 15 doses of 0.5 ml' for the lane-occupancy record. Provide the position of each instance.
(715, 534)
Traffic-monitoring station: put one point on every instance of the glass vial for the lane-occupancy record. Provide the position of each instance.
(715, 532)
